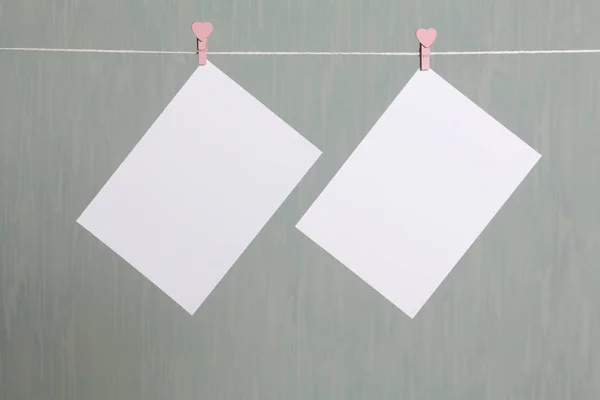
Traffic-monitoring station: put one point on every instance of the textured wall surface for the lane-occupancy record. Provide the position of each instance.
(518, 318)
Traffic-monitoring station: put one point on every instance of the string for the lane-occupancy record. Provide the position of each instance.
(296, 53)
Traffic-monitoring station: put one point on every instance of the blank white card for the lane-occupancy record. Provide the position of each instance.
(199, 186)
(417, 191)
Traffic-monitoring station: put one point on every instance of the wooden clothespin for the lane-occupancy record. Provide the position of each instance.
(202, 30)
(426, 37)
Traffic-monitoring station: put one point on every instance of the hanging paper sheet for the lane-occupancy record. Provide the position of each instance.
(418, 190)
(199, 186)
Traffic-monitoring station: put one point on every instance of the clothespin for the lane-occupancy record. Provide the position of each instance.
(202, 30)
(426, 37)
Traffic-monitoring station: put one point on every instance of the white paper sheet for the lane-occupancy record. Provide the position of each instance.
(417, 191)
(199, 186)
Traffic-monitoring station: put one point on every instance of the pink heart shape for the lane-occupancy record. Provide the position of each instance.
(202, 30)
(426, 36)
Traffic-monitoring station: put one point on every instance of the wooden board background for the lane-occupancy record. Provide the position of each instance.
(518, 318)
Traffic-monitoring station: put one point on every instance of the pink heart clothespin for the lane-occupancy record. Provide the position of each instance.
(202, 30)
(426, 37)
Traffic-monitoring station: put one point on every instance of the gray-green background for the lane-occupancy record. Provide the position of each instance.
(518, 318)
